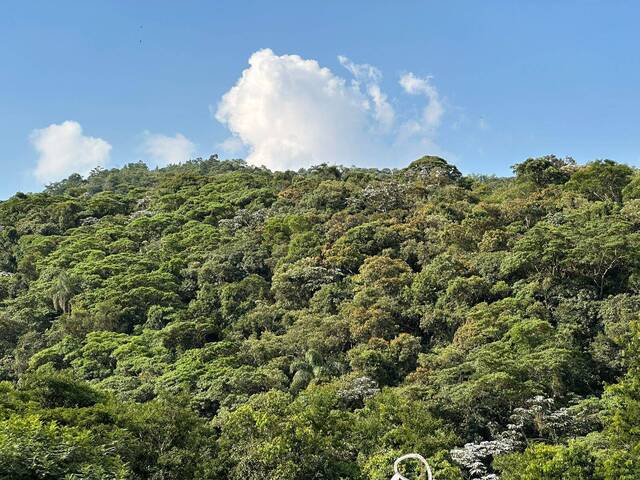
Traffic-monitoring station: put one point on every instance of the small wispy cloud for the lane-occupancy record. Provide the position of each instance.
(165, 150)
(232, 146)
(63, 149)
(434, 110)
(371, 76)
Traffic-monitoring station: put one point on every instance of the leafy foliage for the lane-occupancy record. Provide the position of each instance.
(213, 320)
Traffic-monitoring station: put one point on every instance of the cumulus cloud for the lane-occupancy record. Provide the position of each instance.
(290, 112)
(165, 150)
(63, 150)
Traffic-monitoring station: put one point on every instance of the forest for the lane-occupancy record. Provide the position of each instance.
(214, 320)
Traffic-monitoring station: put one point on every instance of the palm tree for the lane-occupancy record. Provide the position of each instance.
(62, 291)
(312, 367)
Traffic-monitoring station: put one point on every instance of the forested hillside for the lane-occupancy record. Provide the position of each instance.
(213, 320)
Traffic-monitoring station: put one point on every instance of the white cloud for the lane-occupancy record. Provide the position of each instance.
(291, 113)
(385, 113)
(371, 76)
(361, 71)
(165, 150)
(422, 86)
(232, 146)
(63, 150)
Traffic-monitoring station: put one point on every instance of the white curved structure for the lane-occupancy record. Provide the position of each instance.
(413, 456)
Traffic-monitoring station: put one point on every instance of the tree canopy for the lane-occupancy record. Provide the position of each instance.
(214, 320)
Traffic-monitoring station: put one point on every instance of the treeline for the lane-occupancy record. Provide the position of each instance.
(213, 320)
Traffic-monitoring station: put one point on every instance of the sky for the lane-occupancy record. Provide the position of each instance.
(289, 84)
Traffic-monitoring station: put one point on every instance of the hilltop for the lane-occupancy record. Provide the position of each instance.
(215, 320)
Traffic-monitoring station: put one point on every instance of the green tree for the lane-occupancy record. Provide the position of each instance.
(601, 180)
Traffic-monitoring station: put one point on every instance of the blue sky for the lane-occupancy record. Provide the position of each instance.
(485, 84)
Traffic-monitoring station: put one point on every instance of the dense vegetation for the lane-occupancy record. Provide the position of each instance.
(213, 320)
